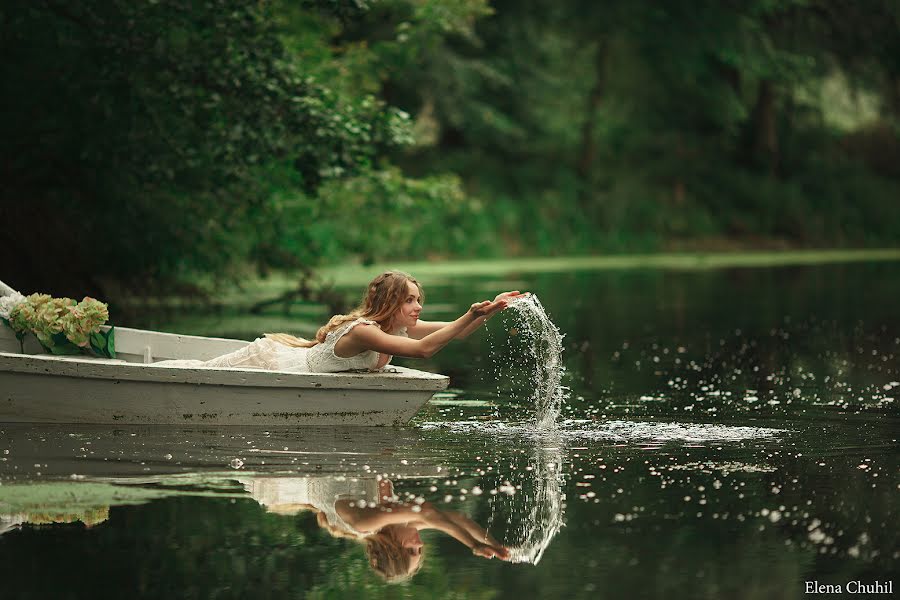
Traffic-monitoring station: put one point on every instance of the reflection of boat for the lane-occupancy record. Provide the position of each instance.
(291, 495)
(41, 388)
(43, 451)
(88, 500)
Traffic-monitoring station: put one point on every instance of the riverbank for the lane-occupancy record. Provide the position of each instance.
(347, 275)
(255, 289)
(229, 315)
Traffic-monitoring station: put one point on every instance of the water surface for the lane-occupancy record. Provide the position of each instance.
(729, 433)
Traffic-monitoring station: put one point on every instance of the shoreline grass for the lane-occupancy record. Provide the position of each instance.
(232, 320)
(351, 276)
(347, 275)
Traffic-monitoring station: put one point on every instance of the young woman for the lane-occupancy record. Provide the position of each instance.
(385, 324)
(390, 531)
(367, 510)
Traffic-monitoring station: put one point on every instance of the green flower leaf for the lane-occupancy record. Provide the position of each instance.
(62, 346)
(104, 344)
(98, 342)
(111, 342)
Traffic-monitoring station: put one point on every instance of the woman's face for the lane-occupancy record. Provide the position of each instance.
(411, 543)
(408, 313)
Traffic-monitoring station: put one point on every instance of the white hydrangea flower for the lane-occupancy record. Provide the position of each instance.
(9, 302)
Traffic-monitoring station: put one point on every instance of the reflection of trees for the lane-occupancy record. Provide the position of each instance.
(88, 517)
(177, 547)
(640, 537)
(635, 539)
(199, 546)
(351, 577)
(190, 547)
(849, 513)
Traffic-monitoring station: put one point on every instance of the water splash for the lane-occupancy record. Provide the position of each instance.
(572, 431)
(534, 506)
(546, 351)
(664, 432)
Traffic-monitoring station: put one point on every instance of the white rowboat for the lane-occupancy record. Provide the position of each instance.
(42, 388)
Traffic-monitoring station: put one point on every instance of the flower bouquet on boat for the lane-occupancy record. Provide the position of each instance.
(61, 325)
(60, 363)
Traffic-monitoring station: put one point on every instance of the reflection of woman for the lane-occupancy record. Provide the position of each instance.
(385, 324)
(369, 512)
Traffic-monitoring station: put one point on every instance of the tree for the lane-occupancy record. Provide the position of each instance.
(166, 140)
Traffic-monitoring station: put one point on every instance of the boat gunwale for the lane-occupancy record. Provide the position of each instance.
(398, 378)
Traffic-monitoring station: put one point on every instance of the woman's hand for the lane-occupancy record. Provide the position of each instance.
(488, 551)
(509, 296)
(486, 308)
(385, 491)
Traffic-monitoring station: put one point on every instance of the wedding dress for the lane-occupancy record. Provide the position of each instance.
(284, 494)
(264, 353)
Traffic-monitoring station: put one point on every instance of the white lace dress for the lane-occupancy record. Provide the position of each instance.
(283, 494)
(264, 353)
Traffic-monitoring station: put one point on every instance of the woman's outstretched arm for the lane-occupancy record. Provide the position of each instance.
(362, 337)
(464, 531)
(475, 530)
(423, 328)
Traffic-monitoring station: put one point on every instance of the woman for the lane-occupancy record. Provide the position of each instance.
(385, 324)
(368, 511)
(390, 530)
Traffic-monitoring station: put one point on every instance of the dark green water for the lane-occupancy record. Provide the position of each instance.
(729, 434)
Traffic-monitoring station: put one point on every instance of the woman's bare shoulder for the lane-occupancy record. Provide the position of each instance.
(371, 337)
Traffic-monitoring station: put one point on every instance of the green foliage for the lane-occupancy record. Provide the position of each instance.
(357, 206)
(186, 127)
(62, 346)
(633, 126)
(103, 343)
(199, 139)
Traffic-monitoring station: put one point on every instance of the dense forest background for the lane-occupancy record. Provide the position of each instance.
(153, 144)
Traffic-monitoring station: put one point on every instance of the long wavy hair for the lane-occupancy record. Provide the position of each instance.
(389, 558)
(385, 553)
(384, 295)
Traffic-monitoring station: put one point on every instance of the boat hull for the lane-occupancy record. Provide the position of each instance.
(62, 389)
(33, 398)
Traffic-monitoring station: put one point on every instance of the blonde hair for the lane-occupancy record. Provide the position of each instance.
(389, 558)
(384, 295)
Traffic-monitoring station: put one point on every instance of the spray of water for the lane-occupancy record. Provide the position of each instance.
(534, 509)
(545, 350)
(540, 507)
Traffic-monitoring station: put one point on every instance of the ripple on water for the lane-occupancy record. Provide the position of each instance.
(636, 431)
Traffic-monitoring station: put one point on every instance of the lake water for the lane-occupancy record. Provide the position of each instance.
(728, 434)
